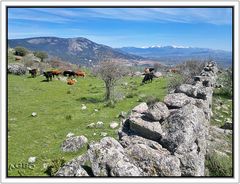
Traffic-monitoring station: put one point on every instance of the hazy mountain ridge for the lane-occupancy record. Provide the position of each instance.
(75, 50)
(175, 54)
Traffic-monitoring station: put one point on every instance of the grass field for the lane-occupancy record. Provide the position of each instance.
(58, 108)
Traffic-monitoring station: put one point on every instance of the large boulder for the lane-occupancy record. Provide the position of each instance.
(151, 157)
(157, 111)
(154, 162)
(72, 144)
(183, 134)
(17, 69)
(140, 125)
(74, 167)
(193, 91)
(108, 158)
(177, 100)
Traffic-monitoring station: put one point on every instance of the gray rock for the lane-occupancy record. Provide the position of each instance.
(108, 158)
(72, 144)
(183, 133)
(157, 111)
(177, 100)
(113, 125)
(200, 92)
(141, 108)
(140, 126)
(17, 69)
(127, 141)
(154, 162)
(74, 167)
(158, 74)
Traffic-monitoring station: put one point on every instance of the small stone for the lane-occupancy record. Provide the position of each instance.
(99, 124)
(34, 114)
(45, 166)
(114, 125)
(70, 134)
(103, 134)
(84, 107)
(91, 125)
(32, 160)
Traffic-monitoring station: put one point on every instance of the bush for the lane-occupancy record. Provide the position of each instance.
(41, 55)
(54, 166)
(148, 99)
(189, 69)
(174, 82)
(219, 165)
(21, 51)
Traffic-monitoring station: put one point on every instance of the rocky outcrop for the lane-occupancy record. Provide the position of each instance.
(72, 144)
(162, 139)
(17, 69)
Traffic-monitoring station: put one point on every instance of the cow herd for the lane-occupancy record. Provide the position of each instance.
(52, 73)
(70, 74)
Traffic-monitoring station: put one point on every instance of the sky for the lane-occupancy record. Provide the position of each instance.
(123, 27)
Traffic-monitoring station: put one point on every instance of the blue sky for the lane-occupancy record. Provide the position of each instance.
(118, 27)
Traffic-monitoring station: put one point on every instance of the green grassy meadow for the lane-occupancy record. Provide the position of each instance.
(58, 108)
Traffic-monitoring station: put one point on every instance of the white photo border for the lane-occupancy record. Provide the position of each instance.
(3, 99)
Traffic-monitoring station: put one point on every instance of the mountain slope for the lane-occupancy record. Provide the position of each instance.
(75, 50)
(174, 54)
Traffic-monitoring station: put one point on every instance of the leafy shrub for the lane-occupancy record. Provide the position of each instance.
(219, 165)
(41, 55)
(150, 99)
(21, 51)
(54, 166)
(174, 82)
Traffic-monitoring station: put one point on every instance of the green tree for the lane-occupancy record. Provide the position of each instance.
(20, 51)
(41, 55)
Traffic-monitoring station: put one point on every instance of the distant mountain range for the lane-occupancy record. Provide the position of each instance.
(86, 52)
(75, 50)
(176, 54)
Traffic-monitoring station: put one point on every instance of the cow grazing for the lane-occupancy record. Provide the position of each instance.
(56, 73)
(148, 77)
(33, 72)
(48, 75)
(80, 74)
(148, 70)
(69, 73)
(71, 81)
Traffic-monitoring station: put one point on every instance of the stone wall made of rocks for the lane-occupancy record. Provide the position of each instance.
(162, 139)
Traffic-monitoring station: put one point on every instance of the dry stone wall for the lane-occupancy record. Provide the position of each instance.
(163, 139)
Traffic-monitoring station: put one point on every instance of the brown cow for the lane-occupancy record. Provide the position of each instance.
(80, 74)
(70, 81)
(56, 72)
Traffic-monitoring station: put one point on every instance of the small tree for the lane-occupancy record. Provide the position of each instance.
(21, 51)
(41, 55)
(110, 72)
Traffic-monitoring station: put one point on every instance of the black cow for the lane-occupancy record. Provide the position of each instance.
(48, 75)
(33, 72)
(148, 77)
(69, 73)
